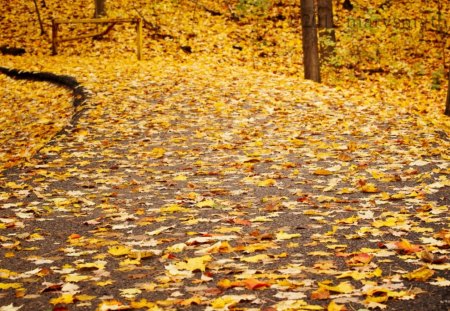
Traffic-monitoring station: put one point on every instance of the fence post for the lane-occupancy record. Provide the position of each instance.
(54, 37)
(139, 38)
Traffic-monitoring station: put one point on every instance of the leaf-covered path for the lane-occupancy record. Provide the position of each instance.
(209, 187)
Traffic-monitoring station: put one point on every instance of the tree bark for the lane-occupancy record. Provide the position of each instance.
(447, 106)
(310, 43)
(100, 8)
(326, 28)
(39, 18)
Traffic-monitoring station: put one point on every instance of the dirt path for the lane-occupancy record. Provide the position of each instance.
(205, 187)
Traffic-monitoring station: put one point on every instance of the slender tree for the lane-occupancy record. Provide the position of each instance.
(447, 106)
(100, 8)
(326, 28)
(310, 43)
(39, 18)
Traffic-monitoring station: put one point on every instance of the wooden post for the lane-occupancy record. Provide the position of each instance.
(139, 38)
(54, 37)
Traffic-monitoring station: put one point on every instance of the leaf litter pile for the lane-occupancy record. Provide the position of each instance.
(200, 185)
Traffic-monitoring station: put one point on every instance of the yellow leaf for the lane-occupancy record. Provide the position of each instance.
(286, 236)
(104, 283)
(224, 301)
(206, 203)
(10, 285)
(157, 153)
(63, 299)
(119, 250)
(343, 287)
(377, 272)
(267, 183)
(180, 178)
(333, 306)
(350, 220)
(130, 262)
(369, 188)
(176, 248)
(354, 275)
(140, 254)
(74, 278)
(322, 171)
(421, 274)
(173, 208)
(130, 292)
(92, 265)
(84, 297)
(193, 264)
(196, 300)
(143, 303)
(256, 258)
(261, 219)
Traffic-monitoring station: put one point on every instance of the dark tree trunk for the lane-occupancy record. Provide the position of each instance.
(326, 29)
(447, 106)
(100, 8)
(39, 18)
(310, 42)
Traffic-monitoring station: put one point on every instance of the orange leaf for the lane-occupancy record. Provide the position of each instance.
(243, 222)
(254, 284)
(321, 293)
(405, 247)
(359, 259)
(322, 171)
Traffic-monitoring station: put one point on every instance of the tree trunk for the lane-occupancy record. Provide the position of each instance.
(310, 43)
(39, 18)
(447, 106)
(100, 8)
(326, 29)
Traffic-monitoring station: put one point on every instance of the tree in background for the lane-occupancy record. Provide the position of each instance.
(326, 28)
(100, 8)
(447, 106)
(311, 62)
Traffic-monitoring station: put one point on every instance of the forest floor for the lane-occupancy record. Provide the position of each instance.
(210, 176)
(207, 186)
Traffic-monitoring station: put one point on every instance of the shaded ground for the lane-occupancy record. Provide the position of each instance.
(209, 187)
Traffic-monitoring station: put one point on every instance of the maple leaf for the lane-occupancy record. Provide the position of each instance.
(267, 183)
(286, 236)
(333, 306)
(10, 307)
(343, 287)
(63, 299)
(405, 247)
(322, 171)
(360, 259)
(10, 285)
(157, 153)
(110, 305)
(256, 258)
(119, 250)
(441, 282)
(320, 293)
(421, 274)
(196, 263)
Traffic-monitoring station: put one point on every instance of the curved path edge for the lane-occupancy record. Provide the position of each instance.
(80, 93)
